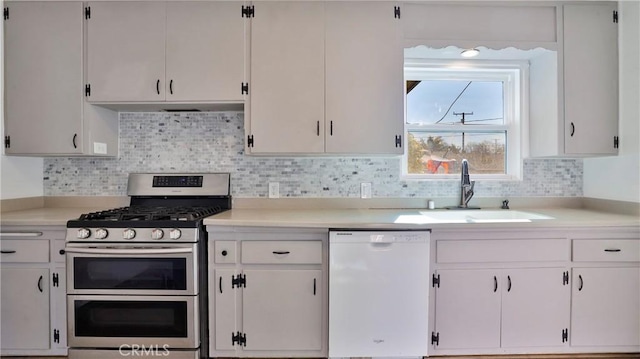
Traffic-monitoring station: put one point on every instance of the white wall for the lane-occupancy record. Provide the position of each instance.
(19, 176)
(618, 178)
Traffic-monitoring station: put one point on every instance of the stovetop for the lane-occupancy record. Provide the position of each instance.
(146, 216)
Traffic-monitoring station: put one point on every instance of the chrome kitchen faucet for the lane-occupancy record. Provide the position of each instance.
(466, 185)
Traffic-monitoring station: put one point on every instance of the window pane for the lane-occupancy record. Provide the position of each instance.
(442, 152)
(444, 101)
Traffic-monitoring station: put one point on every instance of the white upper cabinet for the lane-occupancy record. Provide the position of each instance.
(287, 78)
(164, 51)
(326, 77)
(590, 79)
(126, 51)
(205, 51)
(364, 78)
(492, 25)
(45, 111)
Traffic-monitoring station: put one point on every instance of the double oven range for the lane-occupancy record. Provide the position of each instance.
(137, 275)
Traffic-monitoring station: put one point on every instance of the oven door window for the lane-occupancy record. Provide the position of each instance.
(135, 319)
(130, 273)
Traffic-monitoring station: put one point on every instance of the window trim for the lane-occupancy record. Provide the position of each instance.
(514, 73)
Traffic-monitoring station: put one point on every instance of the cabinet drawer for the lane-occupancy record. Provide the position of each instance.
(480, 250)
(606, 250)
(282, 252)
(23, 250)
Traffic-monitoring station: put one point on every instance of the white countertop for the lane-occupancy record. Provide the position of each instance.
(394, 218)
(339, 218)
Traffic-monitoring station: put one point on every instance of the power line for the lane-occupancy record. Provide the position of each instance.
(454, 102)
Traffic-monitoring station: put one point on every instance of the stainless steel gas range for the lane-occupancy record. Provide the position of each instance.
(137, 275)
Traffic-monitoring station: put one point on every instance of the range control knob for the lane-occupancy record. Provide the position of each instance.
(175, 233)
(101, 233)
(83, 233)
(157, 233)
(129, 233)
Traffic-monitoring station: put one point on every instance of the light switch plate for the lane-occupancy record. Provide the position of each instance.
(274, 190)
(365, 190)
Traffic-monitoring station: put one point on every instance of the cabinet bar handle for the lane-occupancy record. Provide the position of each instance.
(75, 135)
(7, 251)
(40, 284)
(573, 129)
(331, 128)
(495, 284)
(220, 284)
(20, 234)
(318, 128)
(281, 252)
(314, 286)
(171, 87)
(509, 284)
(158, 86)
(581, 282)
(613, 250)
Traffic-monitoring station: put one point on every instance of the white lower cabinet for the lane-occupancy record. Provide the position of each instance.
(493, 308)
(33, 295)
(605, 308)
(267, 298)
(289, 300)
(605, 304)
(25, 308)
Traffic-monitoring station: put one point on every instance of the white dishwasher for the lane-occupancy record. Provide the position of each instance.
(378, 293)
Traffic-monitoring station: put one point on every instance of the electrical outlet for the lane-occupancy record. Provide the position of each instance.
(99, 148)
(274, 189)
(365, 190)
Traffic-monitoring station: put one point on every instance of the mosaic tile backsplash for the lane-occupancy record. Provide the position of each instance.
(214, 142)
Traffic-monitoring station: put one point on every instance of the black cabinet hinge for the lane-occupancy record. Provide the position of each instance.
(56, 336)
(244, 88)
(616, 142)
(87, 90)
(435, 280)
(396, 12)
(55, 281)
(250, 141)
(7, 141)
(565, 335)
(6, 13)
(615, 16)
(238, 338)
(435, 338)
(239, 281)
(248, 11)
(565, 278)
(87, 12)
(398, 140)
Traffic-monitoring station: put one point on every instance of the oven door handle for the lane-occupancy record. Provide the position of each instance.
(129, 251)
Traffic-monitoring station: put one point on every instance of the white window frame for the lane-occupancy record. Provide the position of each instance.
(515, 76)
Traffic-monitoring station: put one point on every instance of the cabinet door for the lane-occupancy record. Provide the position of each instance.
(287, 78)
(282, 309)
(468, 309)
(605, 307)
(224, 310)
(126, 51)
(205, 51)
(590, 79)
(535, 307)
(43, 77)
(364, 78)
(25, 308)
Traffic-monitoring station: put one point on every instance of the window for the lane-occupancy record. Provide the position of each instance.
(464, 110)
